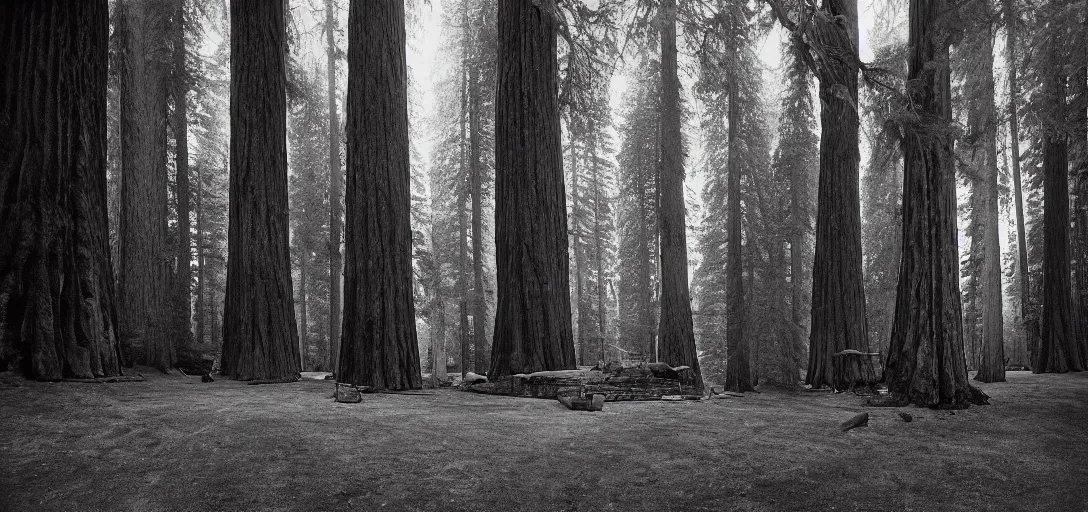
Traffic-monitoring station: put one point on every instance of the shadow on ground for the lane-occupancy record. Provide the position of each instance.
(174, 443)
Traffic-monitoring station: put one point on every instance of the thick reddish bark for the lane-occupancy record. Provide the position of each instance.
(379, 347)
(677, 344)
(925, 361)
(260, 336)
(532, 319)
(57, 312)
(145, 266)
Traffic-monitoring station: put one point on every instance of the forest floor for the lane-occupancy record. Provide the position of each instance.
(174, 443)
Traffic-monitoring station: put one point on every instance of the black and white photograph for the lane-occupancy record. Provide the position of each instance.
(543, 255)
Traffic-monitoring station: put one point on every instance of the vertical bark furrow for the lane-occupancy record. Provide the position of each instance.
(260, 336)
(532, 318)
(144, 271)
(379, 347)
(57, 311)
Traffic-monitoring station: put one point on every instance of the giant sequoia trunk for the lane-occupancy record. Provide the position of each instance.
(144, 271)
(532, 318)
(677, 343)
(180, 124)
(1059, 348)
(925, 362)
(838, 294)
(260, 337)
(379, 345)
(57, 312)
(979, 150)
(336, 261)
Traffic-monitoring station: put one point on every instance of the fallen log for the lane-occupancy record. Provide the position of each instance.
(860, 420)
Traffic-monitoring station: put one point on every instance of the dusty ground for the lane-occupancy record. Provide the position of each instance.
(173, 443)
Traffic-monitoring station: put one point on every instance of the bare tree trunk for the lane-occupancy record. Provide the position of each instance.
(181, 136)
(57, 312)
(260, 336)
(144, 269)
(438, 317)
(838, 294)
(579, 257)
(602, 305)
(979, 147)
(1059, 348)
(336, 261)
(200, 276)
(677, 345)
(304, 323)
(532, 320)
(1024, 354)
(479, 299)
(925, 361)
(462, 200)
(738, 373)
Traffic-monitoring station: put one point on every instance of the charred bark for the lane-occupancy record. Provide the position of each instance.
(677, 343)
(58, 317)
(379, 346)
(260, 336)
(532, 319)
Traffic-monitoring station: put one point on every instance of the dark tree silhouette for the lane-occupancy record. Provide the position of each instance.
(378, 347)
(532, 320)
(925, 362)
(1059, 348)
(57, 311)
(677, 344)
(144, 270)
(260, 337)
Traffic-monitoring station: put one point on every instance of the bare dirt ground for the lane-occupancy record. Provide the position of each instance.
(174, 443)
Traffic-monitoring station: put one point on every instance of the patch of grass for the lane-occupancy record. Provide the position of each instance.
(174, 443)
